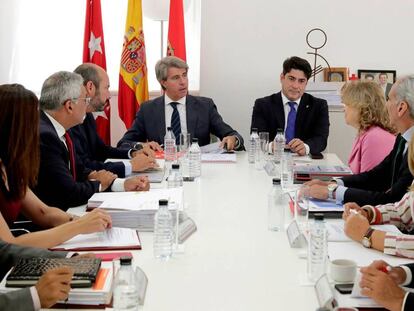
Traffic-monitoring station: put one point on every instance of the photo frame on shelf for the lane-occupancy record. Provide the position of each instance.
(335, 74)
(375, 75)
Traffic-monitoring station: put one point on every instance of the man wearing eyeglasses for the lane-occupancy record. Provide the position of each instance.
(63, 179)
(89, 146)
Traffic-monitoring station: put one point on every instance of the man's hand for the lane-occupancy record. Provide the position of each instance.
(104, 177)
(382, 288)
(138, 183)
(230, 141)
(152, 145)
(298, 146)
(53, 286)
(95, 221)
(353, 206)
(318, 182)
(318, 191)
(396, 273)
(141, 162)
(356, 226)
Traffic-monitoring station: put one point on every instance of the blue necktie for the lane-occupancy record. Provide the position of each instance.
(291, 120)
(175, 122)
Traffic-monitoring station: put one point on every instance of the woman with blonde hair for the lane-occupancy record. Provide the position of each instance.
(19, 166)
(365, 110)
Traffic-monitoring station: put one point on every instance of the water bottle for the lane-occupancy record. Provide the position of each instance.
(175, 179)
(170, 149)
(287, 166)
(126, 287)
(317, 248)
(163, 231)
(254, 138)
(194, 158)
(279, 145)
(276, 207)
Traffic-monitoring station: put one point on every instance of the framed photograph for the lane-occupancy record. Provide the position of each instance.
(335, 74)
(379, 76)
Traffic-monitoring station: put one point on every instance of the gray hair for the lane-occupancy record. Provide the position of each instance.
(58, 88)
(404, 91)
(88, 72)
(161, 68)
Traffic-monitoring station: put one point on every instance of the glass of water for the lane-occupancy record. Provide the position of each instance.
(302, 206)
(287, 166)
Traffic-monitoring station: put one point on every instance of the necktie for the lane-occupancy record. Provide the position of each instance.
(397, 158)
(291, 120)
(69, 144)
(175, 122)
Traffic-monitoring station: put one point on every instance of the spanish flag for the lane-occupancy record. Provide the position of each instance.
(133, 82)
(176, 33)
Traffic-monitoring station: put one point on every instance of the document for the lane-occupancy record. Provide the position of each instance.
(219, 157)
(316, 206)
(336, 231)
(114, 238)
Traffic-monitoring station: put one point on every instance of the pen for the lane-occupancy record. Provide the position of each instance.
(385, 269)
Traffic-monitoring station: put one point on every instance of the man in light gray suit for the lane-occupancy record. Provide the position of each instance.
(54, 285)
(184, 113)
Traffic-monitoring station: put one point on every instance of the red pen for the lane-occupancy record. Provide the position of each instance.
(385, 269)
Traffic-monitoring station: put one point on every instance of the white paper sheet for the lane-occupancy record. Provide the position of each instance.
(336, 231)
(218, 157)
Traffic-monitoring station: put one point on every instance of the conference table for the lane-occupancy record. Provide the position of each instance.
(232, 261)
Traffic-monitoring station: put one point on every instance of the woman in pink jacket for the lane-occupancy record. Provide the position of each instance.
(365, 110)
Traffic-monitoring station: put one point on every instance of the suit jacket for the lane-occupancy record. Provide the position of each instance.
(202, 119)
(92, 151)
(20, 300)
(312, 119)
(374, 186)
(55, 185)
(409, 303)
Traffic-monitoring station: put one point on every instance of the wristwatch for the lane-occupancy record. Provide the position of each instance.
(366, 240)
(136, 147)
(331, 190)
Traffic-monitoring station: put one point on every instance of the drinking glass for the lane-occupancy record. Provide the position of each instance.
(302, 206)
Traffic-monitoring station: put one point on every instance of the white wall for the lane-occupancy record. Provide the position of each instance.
(243, 45)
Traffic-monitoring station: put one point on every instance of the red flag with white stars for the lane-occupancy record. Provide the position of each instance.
(94, 52)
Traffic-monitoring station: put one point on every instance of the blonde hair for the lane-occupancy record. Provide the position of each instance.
(368, 98)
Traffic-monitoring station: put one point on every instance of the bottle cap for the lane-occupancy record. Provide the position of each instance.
(195, 140)
(319, 216)
(276, 181)
(163, 202)
(125, 260)
(175, 166)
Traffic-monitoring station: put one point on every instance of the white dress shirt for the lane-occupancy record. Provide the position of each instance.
(181, 111)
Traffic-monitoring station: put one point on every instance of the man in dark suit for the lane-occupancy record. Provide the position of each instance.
(304, 118)
(89, 146)
(52, 286)
(382, 282)
(184, 113)
(389, 180)
(63, 180)
(383, 82)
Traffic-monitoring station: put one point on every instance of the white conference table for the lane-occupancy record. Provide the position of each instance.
(232, 262)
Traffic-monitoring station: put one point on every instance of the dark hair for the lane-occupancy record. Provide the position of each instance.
(298, 63)
(19, 139)
(88, 72)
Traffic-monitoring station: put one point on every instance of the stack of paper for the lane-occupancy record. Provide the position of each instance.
(111, 239)
(136, 209)
(99, 295)
(213, 153)
(154, 175)
(324, 172)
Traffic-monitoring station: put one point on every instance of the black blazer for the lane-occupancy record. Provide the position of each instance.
(312, 119)
(202, 119)
(374, 186)
(409, 303)
(55, 185)
(92, 151)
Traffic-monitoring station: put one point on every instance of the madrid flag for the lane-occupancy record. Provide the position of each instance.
(94, 52)
(133, 82)
(176, 33)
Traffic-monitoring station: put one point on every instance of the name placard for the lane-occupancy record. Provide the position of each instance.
(324, 293)
(270, 168)
(142, 281)
(295, 236)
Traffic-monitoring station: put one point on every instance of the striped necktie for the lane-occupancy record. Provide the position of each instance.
(69, 144)
(175, 122)
(398, 158)
(291, 120)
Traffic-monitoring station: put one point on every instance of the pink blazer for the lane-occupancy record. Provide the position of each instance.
(370, 148)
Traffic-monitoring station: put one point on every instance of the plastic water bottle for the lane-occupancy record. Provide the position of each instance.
(287, 166)
(317, 248)
(253, 146)
(279, 145)
(276, 207)
(175, 179)
(126, 287)
(194, 158)
(163, 231)
(170, 149)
